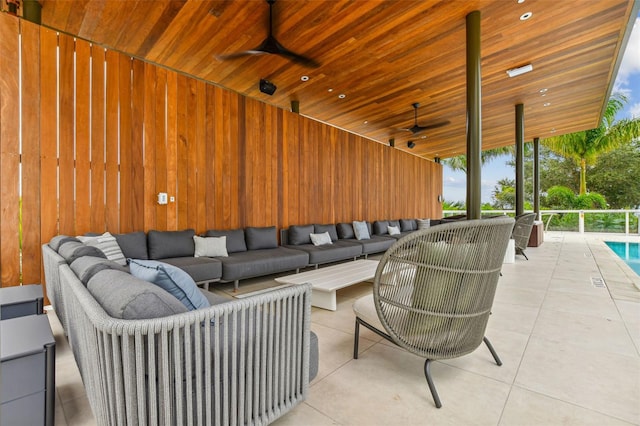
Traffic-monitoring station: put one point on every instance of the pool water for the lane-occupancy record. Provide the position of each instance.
(629, 252)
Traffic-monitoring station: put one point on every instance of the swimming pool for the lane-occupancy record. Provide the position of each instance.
(629, 252)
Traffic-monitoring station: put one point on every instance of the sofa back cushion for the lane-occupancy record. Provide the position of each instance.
(345, 231)
(58, 240)
(165, 244)
(86, 267)
(127, 297)
(395, 223)
(380, 227)
(300, 234)
(330, 228)
(261, 238)
(235, 239)
(408, 225)
(133, 245)
(72, 250)
(171, 279)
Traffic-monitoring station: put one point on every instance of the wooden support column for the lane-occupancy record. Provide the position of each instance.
(474, 116)
(536, 177)
(519, 159)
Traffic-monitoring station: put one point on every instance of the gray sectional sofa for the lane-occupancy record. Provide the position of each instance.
(145, 358)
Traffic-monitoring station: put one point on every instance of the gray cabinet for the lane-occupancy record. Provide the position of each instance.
(20, 301)
(27, 371)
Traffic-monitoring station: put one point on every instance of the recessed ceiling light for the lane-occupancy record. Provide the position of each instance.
(342, 96)
(553, 130)
(526, 16)
(546, 104)
(330, 90)
(521, 70)
(543, 90)
(423, 137)
(520, 1)
(366, 121)
(304, 78)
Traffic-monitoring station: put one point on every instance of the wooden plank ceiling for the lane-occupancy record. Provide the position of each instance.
(383, 55)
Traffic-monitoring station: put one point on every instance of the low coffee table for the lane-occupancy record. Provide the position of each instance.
(325, 281)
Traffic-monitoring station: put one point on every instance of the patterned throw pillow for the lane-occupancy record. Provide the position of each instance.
(320, 239)
(109, 246)
(393, 230)
(361, 230)
(424, 223)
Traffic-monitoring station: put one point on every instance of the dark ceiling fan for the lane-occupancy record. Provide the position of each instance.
(271, 46)
(415, 129)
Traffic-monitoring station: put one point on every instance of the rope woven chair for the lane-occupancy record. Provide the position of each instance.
(433, 290)
(522, 232)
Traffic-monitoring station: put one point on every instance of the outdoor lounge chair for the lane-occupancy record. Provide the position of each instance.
(522, 232)
(433, 290)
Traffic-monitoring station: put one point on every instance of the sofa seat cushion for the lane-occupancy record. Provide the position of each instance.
(256, 263)
(201, 269)
(124, 296)
(400, 235)
(339, 250)
(376, 244)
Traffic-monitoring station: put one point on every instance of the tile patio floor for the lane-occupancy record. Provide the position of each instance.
(570, 352)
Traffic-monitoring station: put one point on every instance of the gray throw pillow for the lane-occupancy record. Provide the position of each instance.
(361, 230)
(330, 228)
(345, 231)
(261, 238)
(124, 296)
(424, 223)
(171, 279)
(133, 245)
(235, 239)
(166, 244)
(108, 244)
(299, 234)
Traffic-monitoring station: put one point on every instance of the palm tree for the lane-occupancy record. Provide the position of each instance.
(460, 162)
(584, 147)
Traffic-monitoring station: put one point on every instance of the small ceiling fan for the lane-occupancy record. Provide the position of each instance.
(271, 46)
(415, 129)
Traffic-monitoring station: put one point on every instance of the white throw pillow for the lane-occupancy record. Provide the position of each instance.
(108, 245)
(424, 223)
(393, 230)
(210, 246)
(361, 230)
(320, 239)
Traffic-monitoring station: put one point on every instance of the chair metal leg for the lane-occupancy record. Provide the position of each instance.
(525, 255)
(356, 339)
(432, 386)
(493, 351)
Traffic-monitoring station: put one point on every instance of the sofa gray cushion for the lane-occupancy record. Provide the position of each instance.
(299, 234)
(408, 225)
(201, 269)
(133, 245)
(395, 223)
(59, 240)
(345, 231)
(86, 267)
(330, 228)
(171, 279)
(262, 262)
(380, 227)
(361, 230)
(261, 238)
(339, 250)
(124, 296)
(235, 239)
(72, 250)
(376, 244)
(163, 244)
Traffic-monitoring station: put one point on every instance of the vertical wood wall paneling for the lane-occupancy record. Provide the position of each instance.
(181, 150)
(190, 196)
(172, 126)
(9, 151)
(161, 144)
(83, 137)
(211, 144)
(126, 145)
(149, 147)
(66, 142)
(48, 135)
(32, 265)
(98, 220)
(112, 142)
(137, 146)
(201, 158)
(219, 160)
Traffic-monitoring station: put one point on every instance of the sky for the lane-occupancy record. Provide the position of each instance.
(627, 82)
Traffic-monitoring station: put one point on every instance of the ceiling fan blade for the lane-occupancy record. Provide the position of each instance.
(240, 54)
(300, 59)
